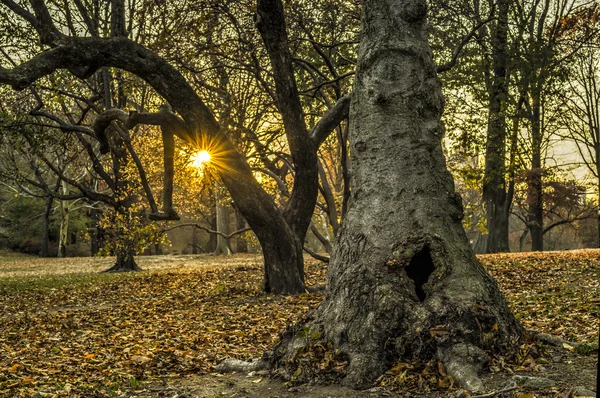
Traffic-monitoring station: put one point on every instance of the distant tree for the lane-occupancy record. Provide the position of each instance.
(565, 203)
(541, 63)
(497, 194)
(582, 121)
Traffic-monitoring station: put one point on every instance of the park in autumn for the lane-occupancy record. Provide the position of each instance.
(290, 198)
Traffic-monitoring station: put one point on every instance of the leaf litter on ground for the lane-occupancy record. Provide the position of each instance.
(67, 331)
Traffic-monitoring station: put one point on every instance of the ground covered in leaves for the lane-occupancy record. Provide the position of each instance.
(66, 330)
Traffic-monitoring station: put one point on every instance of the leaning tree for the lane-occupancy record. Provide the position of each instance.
(281, 232)
(403, 281)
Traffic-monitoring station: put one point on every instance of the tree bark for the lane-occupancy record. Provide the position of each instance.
(95, 234)
(222, 225)
(534, 179)
(46, 227)
(125, 261)
(241, 244)
(403, 281)
(63, 235)
(494, 185)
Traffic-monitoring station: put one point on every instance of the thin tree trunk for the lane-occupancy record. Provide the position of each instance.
(95, 241)
(46, 227)
(403, 282)
(194, 241)
(494, 186)
(211, 245)
(222, 225)
(241, 245)
(480, 244)
(522, 240)
(534, 180)
(63, 236)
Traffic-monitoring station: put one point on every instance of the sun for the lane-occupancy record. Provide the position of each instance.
(200, 159)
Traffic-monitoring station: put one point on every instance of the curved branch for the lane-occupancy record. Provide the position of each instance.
(316, 256)
(210, 231)
(84, 56)
(331, 120)
(101, 124)
(45, 27)
(466, 40)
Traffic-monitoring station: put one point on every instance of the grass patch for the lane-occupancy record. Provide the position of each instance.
(9, 255)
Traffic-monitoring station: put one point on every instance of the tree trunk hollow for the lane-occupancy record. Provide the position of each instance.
(403, 281)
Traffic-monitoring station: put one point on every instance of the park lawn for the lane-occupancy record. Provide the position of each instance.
(65, 329)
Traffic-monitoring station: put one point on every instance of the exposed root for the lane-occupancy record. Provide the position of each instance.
(464, 362)
(553, 340)
(494, 393)
(236, 365)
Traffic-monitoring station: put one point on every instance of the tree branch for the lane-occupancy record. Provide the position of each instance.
(456, 53)
(330, 120)
(210, 231)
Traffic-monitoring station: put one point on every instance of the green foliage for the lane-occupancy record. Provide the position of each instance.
(21, 222)
(128, 229)
(22, 219)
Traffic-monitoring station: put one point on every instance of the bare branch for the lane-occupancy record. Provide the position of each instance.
(20, 11)
(466, 40)
(46, 29)
(316, 256)
(330, 120)
(210, 231)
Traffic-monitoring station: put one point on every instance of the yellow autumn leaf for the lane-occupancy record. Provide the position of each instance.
(568, 347)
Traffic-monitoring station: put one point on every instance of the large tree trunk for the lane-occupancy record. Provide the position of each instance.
(494, 185)
(403, 281)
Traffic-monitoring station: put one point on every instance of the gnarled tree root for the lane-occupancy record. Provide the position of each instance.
(464, 362)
